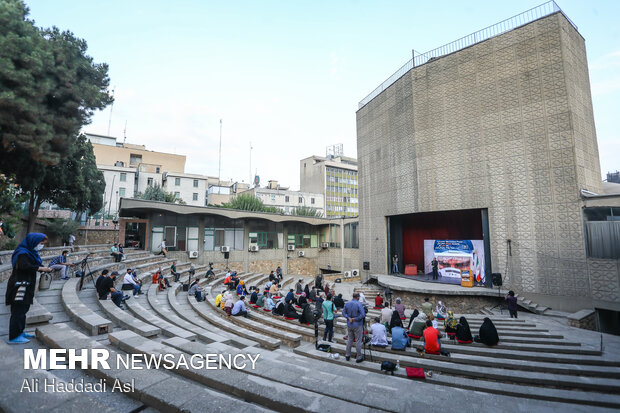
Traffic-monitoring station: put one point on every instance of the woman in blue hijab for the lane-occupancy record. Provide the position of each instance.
(20, 287)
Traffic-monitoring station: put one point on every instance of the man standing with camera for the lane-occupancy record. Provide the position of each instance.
(354, 313)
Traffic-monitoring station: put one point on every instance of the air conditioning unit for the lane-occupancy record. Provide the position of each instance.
(193, 254)
(301, 253)
(355, 273)
(254, 248)
(224, 248)
(291, 248)
(325, 245)
(347, 274)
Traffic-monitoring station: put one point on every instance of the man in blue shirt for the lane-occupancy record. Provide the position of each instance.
(354, 313)
(239, 308)
(60, 263)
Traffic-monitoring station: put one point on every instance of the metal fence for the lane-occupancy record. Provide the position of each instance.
(418, 59)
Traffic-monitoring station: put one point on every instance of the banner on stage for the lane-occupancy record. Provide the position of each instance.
(454, 256)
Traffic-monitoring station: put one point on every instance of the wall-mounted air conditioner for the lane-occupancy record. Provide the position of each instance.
(193, 254)
(254, 248)
(224, 248)
(325, 245)
(301, 253)
(355, 273)
(347, 274)
(291, 248)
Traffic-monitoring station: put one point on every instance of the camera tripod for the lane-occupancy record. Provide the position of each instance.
(85, 271)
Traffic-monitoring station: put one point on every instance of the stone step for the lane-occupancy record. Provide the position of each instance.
(93, 323)
(127, 320)
(444, 365)
(159, 389)
(168, 329)
(37, 313)
(558, 399)
(253, 389)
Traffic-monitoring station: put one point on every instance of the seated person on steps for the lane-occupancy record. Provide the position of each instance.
(196, 290)
(114, 252)
(378, 301)
(432, 344)
(60, 263)
(129, 283)
(239, 308)
(379, 334)
(106, 286)
(400, 339)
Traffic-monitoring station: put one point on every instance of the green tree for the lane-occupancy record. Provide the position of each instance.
(305, 211)
(248, 202)
(157, 193)
(49, 89)
(62, 227)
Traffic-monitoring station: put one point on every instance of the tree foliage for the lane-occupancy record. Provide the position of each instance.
(247, 202)
(157, 193)
(49, 89)
(62, 227)
(305, 211)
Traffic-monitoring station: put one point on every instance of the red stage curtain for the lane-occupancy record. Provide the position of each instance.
(457, 225)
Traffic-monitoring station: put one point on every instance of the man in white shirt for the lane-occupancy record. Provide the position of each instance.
(129, 280)
(379, 334)
(71, 241)
(386, 314)
(163, 250)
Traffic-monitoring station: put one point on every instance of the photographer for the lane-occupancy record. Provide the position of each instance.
(20, 286)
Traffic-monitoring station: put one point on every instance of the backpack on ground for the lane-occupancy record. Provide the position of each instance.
(388, 366)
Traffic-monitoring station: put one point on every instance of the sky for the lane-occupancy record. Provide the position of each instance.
(286, 77)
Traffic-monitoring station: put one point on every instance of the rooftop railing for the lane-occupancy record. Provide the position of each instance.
(418, 59)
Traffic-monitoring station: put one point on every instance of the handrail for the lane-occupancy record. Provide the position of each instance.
(504, 26)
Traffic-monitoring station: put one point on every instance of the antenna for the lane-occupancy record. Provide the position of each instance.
(111, 109)
(219, 168)
(125, 132)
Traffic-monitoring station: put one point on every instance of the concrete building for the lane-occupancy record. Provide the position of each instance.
(287, 200)
(257, 241)
(492, 137)
(335, 178)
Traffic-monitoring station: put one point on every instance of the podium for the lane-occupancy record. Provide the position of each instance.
(467, 278)
(411, 269)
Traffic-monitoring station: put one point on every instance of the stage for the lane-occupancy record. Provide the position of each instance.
(420, 285)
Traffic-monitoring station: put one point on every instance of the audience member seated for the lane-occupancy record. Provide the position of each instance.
(239, 308)
(400, 339)
(195, 289)
(395, 321)
(379, 334)
(253, 296)
(218, 299)
(450, 324)
(413, 316)
(129, 283)
(400, 308)
(338, 301)
(378, 301)
(312, 295)
(260, 300)
(327, 289)
(307, 290)
(299, 288)
(229, 304)
(302, 300)
(279, 273)
(173, 271)
(60, 263)
(434, 321)
(228, 281)
(269, 304)
(267, 287)
(306, 315)
(440, 309)
(427, 308)
(106, 286)
(290, 297)
(274, 290)
(419, 324)
(114, 252)
(241, 288)
(272, 277)
(488, 333)
(432, 345)
(156, 275)
(463, 333)
(386, 315)
(279, 307)
(318, 305)
(163, 281)
(290, 313)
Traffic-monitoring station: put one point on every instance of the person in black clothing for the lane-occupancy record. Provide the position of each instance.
(20, 286)
(435, 264)
(289, 311)
(488, 333)
(463, 333)
(338, 301)
(106, 286)
(253, 296)
(279, 308)
(318, 282)
(302, 300)
(279, 273)
(104, 273)
(307, 290)
(395, 321)
(512, 304)
(414, 315)
(306, 315)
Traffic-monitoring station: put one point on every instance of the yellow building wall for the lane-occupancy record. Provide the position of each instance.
(108, 155)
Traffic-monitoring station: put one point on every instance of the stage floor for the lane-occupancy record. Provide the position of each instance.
(419, 284)
(429, 278)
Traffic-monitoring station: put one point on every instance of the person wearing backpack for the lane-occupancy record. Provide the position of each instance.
(328, 316)
(400, 339)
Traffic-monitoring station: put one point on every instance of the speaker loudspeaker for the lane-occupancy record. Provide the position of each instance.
(366, 265)
(226, 255)
(497, 279)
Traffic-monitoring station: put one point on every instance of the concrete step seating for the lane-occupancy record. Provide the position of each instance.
(159, 389)
(563, 399)
(291, 339)
(185, 311)
(206, 310)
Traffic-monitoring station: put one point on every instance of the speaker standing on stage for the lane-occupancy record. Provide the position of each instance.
(395, 264)
(434, 263)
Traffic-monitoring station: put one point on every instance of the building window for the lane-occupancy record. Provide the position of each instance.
(149, 181)
(602, 231)
(300, 200)
(123, 177)
(195, 183)
(312, 201)
(177, 195)
(194, 196)
(286, 198)
(157, 169)
(177, 181)
(121, 192)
